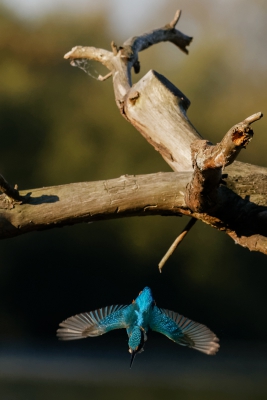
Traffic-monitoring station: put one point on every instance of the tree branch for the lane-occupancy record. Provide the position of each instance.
(47, 208)
(12, 194)
(158, 110)
(122, 59)
(209, 161)
(241, 213)
(176, 243)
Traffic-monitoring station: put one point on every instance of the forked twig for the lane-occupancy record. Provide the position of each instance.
(177, 241)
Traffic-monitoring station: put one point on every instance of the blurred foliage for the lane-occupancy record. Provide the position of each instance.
(31, 390)
(59, 126)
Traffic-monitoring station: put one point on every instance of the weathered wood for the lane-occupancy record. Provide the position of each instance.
(122, 59)
(209, 161)
(157, 109)
(155, 194)
(176, 243)
(46, 208)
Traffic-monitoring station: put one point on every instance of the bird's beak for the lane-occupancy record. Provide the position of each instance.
(133, 354)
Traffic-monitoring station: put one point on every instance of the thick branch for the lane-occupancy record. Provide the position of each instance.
(158, 110)
(241, 212)
(46, 208)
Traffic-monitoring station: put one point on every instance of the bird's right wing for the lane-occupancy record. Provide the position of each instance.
(184, 331)
(93, 323)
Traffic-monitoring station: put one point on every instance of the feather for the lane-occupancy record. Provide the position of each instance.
(184, 331)
(93, 323)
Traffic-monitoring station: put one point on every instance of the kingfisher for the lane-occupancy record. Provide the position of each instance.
(138, 318)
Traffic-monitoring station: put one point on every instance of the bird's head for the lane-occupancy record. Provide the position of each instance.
(146, 294)
(136, 342)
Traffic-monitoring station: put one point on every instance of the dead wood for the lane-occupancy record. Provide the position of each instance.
(176, 243)
(209, 162)
(241, 213)
(158, 110)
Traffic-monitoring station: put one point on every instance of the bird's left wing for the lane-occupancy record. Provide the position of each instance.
(183, 331)
(93, 323)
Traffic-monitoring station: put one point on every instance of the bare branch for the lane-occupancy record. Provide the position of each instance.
(176, 243)
(253, 118)
(90, 53)
(176, 18)
(209, 161)
(157, 109)
(170, 110)
(122, 59)
(155, 194)
(166, 34)
(104, 78)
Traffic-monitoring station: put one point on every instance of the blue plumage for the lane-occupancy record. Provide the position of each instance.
(138, 318)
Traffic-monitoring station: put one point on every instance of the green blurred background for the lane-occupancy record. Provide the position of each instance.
(59, 125)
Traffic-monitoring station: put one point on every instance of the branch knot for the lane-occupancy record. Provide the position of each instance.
(208, 162)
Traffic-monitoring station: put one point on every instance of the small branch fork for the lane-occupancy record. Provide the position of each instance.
(122, 59)
(209, 161)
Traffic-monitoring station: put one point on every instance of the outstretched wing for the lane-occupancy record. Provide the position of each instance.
(184, 331)
(93, 323)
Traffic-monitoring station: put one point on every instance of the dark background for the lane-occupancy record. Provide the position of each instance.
(59, 125)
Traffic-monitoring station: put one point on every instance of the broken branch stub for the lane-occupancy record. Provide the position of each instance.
(209, 161)
(157, 109)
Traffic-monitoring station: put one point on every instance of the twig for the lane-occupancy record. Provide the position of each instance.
(122, 59)
(103, 78)
(114, 48)
(253, 118)
(8, 190)
(176, 18)
(177, 241)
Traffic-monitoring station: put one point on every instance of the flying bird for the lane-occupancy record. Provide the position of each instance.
(138, 318)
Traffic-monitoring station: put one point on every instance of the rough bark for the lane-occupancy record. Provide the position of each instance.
(241, 213)
(209, 161)
(158, 110)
